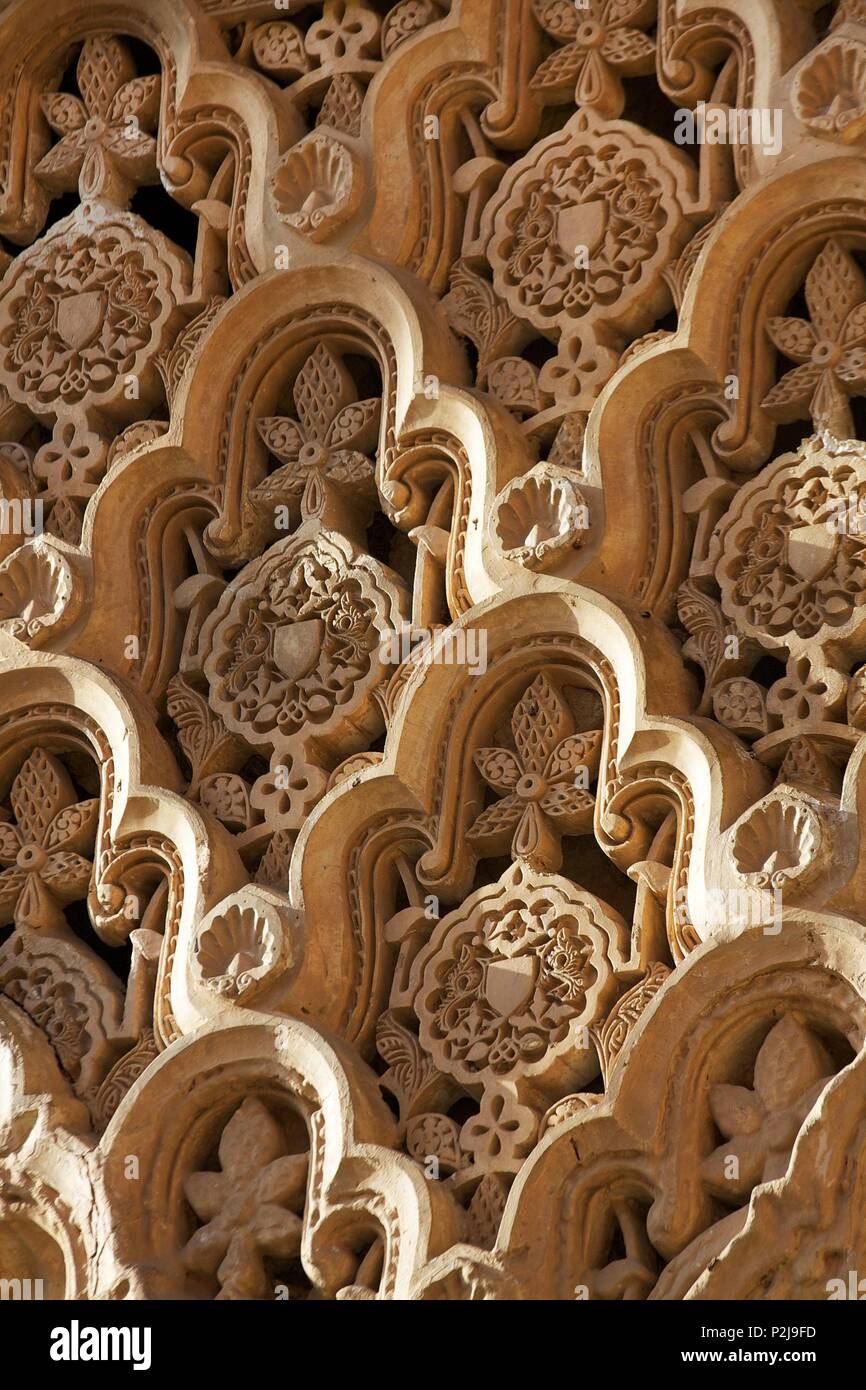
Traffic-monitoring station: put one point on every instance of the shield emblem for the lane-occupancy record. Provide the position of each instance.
(79, 318)
(811, 550)
(509, 984)
(582, 225)
(297, 647)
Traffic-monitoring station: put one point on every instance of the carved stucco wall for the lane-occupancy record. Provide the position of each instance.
(431, 636)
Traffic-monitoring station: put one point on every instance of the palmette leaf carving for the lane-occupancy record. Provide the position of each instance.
(474, 308)
(714, 642)
(202, 735)
(410, 1074)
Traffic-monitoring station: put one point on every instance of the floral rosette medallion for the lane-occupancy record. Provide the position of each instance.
(294, 651)
(790, 554)
(88, 306)
(579, 231)
(511, 982)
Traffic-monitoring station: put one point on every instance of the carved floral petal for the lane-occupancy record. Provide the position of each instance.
(539, 722)
(250, 1141)
(854, 332)
(135, 155)
(322, 388)
(356, 426)
(618, 12)
(98, 172)
(74, 827)
(834, 286)
(205, 1250)
(41, 789)
(346, 466)
(37, 907)
(630, 51)
(570, 807)
(103, 67)
(64, 113)
(11, 883)
(534, 839)
(497, 823)
(597, 85)
(498, 767)
(791, 396)
(207, 1193)
(242, 1274)
(283, 1181)
(283, 436)
(10, 843)
(851, 367)
(796, 338)
(556, 76)
(275, 1230)
(139, 98)
(578, 750)
(790, 1061)
(736, 1110)
(559, 18)
(284, 483)
(727, 1180)
(278, 49)
(60, 167)
(67, 875)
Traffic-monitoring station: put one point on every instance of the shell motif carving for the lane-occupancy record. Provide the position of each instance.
(778, 842)
(239, 946)
(828, 92)
(39, 593)
(317, 186)
(540, 516)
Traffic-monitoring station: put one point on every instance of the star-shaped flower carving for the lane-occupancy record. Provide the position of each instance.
(44, 868)
(249, 1207)
(105, 147)
(760, 1125)
(603, 44)
(830, 347)
(544, 783)
(328, 442)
